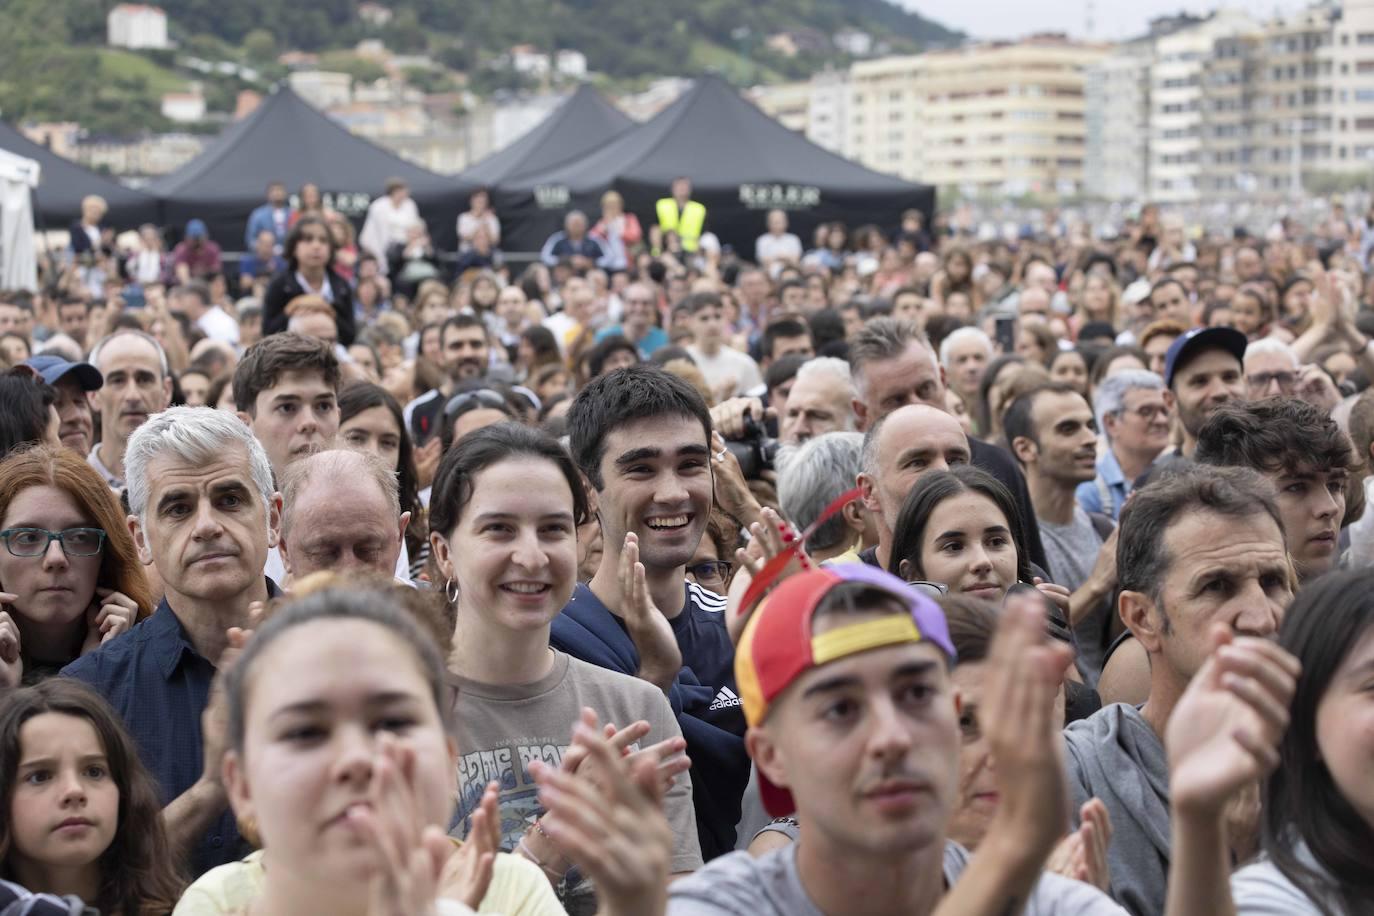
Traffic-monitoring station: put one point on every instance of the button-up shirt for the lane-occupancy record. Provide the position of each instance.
(160, 685)
(1107, 492)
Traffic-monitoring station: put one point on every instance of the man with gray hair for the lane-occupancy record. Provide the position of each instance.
(137, 385)
(204, 514)
(1273, 369)
(821, 401)
(965, 355)
(321, 532)
(894, 366)
(1134, 412)
(815, 475)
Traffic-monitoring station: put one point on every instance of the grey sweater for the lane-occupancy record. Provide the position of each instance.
(1116, 756)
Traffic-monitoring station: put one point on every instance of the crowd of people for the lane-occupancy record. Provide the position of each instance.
(900, 572)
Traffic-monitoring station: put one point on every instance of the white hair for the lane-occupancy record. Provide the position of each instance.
(333, 465)
(819, 471)
(831, 366)
(195, 435)
(1110, 398)
(62, 345)
(958, 336)
(1271, 346)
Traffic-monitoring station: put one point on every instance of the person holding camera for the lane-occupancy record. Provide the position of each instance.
(642, 439)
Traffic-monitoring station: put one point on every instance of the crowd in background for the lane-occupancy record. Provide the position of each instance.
(901, 568)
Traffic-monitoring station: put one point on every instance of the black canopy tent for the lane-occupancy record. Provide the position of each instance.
(742, 163)
(583, 122)
(62, 183)
(288, 140)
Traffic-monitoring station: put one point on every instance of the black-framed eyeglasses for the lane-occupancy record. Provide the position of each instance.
(711, 569)
(470, 400)
(34, 542)
(929, 589)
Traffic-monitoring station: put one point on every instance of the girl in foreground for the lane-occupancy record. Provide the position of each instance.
(81, 814)
(344, 769)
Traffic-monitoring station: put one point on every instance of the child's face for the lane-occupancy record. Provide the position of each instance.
(65, 805)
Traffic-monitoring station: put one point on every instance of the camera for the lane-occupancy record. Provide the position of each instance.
(755, 450)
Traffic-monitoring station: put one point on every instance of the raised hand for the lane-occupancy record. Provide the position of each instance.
(1019, 722)
(731, 490)
(660, 659)
(616, 833)
(467, 874)
(11, 660)
(111, 614)
(1223, 735)
(410, 856)
(1082, 855)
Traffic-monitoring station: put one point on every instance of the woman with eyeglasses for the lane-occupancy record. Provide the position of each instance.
(710, 567)
(69, 575)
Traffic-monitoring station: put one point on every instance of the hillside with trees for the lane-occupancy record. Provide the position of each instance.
(54, 66)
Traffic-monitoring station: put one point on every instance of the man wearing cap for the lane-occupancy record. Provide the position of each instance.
(196, 257)
(137, 385)
(71, 381)
(844, 674)
(1204, 369)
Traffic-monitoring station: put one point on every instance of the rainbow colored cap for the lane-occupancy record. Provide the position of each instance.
(777, 645)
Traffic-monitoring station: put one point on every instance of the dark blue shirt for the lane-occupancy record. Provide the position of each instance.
(703, 696)
(160, 686)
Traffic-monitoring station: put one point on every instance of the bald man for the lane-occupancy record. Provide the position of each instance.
(898, 449)
(321, 532)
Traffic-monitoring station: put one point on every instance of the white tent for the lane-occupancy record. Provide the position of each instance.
(18, 178)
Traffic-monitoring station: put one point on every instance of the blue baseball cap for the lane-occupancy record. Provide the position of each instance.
(51, 368)
(1200, 340)
(195, 229)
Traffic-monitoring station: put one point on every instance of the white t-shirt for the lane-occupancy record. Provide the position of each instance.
(741, 885)
(218, 325)
(727, 364)
(770, 247)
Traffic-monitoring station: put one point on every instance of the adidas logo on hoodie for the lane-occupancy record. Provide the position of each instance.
(724, 700)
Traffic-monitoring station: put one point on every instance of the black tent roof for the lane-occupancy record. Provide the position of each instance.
(584, 121)
(288, 140)
(62, 183)
(742, 163)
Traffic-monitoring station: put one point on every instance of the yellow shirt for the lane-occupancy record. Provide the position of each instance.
(518, 888)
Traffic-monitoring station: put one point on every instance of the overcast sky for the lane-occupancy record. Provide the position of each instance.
(1113, 19)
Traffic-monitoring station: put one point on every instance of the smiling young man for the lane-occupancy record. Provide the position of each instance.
(204, 513)
(1307, 458)
(641, 438)
(854, 725)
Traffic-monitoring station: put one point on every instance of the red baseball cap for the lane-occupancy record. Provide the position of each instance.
(778, 646)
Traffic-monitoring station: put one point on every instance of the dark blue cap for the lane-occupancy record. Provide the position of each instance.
(1199, 340)
(51, 368)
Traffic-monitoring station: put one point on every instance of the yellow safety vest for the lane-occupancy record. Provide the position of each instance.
(688, 224)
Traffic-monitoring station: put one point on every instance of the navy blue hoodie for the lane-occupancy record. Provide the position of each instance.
(703, 697)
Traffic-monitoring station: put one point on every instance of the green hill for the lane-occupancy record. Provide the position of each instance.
(53, 65)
